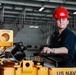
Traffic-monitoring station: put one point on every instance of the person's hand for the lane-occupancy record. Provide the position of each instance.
(46, 50)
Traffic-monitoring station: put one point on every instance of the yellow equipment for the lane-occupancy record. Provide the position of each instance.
(6, 38)
(26, 67)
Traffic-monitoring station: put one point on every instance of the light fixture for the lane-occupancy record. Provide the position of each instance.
(31, 26)
(74, 12)
(41, 8)
(34, 26)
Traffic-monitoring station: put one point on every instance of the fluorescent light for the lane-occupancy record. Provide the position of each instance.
(74, 13)
(41, 8)
(34, 26)
(31, 26)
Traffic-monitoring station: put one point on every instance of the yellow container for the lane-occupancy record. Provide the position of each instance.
(18, 71)
(28, 66)
(6, 71)
(42, 70)
(33, 72)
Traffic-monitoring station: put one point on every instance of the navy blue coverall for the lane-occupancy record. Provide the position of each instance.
(66, 39)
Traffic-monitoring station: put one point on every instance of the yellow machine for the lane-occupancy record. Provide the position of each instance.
(6, 38)
(25, 67)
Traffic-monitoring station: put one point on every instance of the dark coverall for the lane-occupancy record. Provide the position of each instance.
(66, 39)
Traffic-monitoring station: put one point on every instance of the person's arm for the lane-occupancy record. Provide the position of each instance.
(61, 50)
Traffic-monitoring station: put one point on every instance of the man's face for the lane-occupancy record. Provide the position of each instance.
(62, 23)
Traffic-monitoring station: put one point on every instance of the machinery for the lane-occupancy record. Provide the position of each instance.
(21, 66)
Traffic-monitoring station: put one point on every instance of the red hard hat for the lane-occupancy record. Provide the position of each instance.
(60, 12)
